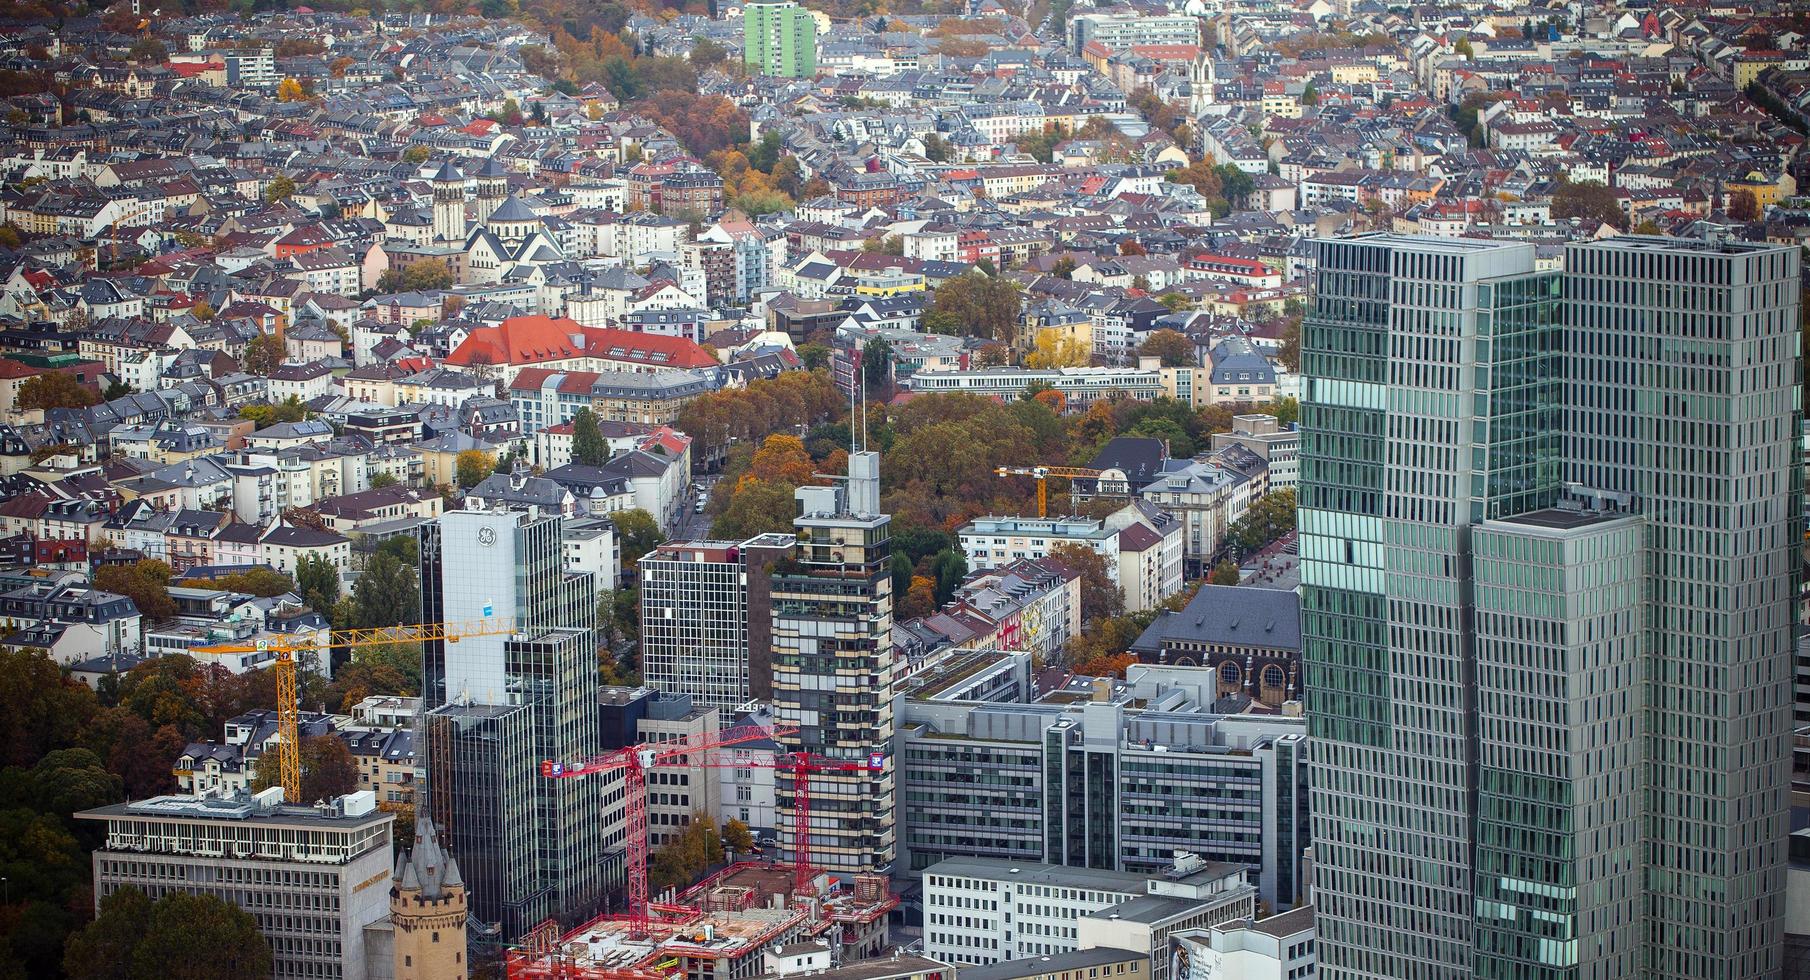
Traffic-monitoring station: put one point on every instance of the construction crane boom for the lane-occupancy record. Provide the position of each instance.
(633, 762)
(285, 648)
(1043, 474)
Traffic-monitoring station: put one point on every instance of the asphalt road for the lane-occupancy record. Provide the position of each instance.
(695, 525)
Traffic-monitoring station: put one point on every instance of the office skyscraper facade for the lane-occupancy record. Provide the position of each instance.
(1546, 606)
(1683, 395)
(509, 702)
(833, 671)
(706, 619)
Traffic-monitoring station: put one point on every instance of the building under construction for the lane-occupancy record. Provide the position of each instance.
(719, 929)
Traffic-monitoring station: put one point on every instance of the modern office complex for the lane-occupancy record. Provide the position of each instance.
(305, 873)
(1546, 616)
(706, 619)
(1106, 785)
(779, 38)
(531, 848)
(833, 670)
(980, 911)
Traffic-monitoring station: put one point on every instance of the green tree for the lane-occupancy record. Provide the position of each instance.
(977, 305)
(419, 153)
(1310, 95)
(53, 389)
(388, 593)
(147, 50)
(261, 582)
(1175, 349)
(1286, 410)
(328, 769)
(686, 855)
(755, 507)
(1224, 573)
(814, 355)
(1266, 519)
(937, 149)
(280, 189)
(1064, 268)
(737, 837)
(383, 479)
(104, 948)
(263, 354)
(588, 445)
(161, 941)
(1235, 184)
(45, 710)
(637, 533)
(948, 567)
(1589, 201)
(318, 581)
(146, 582)
(876, 362)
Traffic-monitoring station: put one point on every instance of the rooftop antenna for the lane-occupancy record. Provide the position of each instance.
(863, 408)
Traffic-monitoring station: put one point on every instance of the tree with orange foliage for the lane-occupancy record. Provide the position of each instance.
(1106, 665)
(783, 459)
(919, 599)
(1056, 400)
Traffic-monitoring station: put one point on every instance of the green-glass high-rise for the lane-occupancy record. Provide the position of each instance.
(779, 37)
(1547, 605)
(1405, 444)
(1683, 393)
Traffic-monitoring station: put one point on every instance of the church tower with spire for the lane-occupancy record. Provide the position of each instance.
(428, 910)
(1201, 81)
(449, 204)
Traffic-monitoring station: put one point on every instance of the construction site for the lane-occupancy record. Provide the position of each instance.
(720, 928)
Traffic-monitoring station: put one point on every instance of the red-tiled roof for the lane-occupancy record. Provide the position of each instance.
(536, 339)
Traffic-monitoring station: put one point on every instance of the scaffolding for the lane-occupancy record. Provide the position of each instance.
(717, 929)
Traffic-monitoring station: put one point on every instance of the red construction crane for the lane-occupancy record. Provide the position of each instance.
(801, 765)
(634, 762)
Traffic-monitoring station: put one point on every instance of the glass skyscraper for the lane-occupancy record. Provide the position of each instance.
(1546, 530)
(506, 703)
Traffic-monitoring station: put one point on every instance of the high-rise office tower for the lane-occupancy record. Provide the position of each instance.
(833, 672)
(1683, 396)
(779, 37)
(706, 619)
(1546, 615)
(530, 847)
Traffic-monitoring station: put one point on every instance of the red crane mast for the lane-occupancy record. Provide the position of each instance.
(633, 762)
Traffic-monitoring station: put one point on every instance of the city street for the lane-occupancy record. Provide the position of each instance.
(695, 526)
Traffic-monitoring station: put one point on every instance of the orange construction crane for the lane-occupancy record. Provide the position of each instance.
(1043, 474)
(289, 750)
(634, 762)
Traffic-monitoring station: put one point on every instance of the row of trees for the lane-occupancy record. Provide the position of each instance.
(788, 402)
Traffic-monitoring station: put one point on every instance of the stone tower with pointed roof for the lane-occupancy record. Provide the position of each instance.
(493, 186)
(428, 910)
(449, 204)
(1201, 81)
